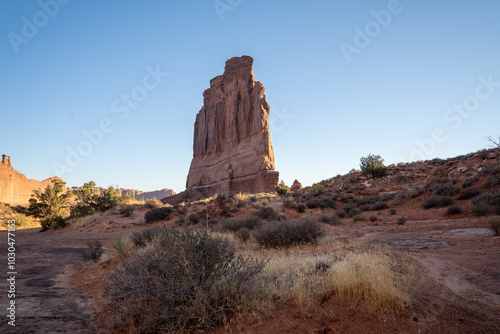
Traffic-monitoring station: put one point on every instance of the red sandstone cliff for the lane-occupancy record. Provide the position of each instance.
(15, 188)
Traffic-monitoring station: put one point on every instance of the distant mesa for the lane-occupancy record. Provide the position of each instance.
(144, 195)
(232, 150)
(15, 188)
(141, 195)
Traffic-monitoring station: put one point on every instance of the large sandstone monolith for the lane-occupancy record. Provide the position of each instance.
(15, 188)
(232, 149)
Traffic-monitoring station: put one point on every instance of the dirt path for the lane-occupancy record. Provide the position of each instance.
(44, 301)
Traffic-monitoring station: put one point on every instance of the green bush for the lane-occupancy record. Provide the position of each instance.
(289, 233)
(186, 282)
(56, 222)
(324, 219)
(94, 252)
(89, 199)
(401, 220)
(158, 214)
(353, 212)
(373, 218)
(282, 188)
(373, 165)
(50, 204)
(437, 202)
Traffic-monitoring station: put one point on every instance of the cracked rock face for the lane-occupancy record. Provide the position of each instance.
(232, 150)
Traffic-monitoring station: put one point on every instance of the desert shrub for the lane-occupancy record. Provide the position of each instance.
(401, 179)
(334, 220)
(447, 189)
(94, 252)
(415, 193)
(365, 207)
(289, 233)
(468, 182)
(146, 236)
(380, 206)
(388, 197)
(192, 219)
(372, 199)
(236, 224)
(157, 214)
(301, 208)
(317, 189)
(328, 202)
(454, 209)
(314, 203)
(373, 165)
(324, 219)
(469, 193)
(353, 212)
(344, 199)
(243, 234)
(396, 202)
(121, 247)
(127, 211)
(392, 212)
(358, 217)
(56, 222)
(266, 213)
(486, 204)
(437, 202)
(491, 182)
(186, 282)
(401, 220)
(373, 218)
(494, 225)
(152, 203)
(282, 188)
(341, 213)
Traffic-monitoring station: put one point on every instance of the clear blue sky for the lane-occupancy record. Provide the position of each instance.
(343, 78)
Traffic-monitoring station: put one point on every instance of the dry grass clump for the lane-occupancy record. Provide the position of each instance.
(86, 221)
(367, 278)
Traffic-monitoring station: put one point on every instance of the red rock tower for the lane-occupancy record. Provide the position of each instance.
(232, 150)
